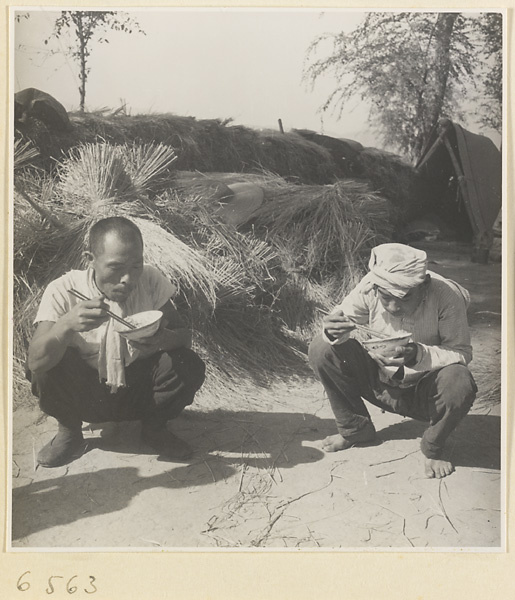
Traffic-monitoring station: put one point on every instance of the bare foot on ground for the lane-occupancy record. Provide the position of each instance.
(436, 468)
(333, 443)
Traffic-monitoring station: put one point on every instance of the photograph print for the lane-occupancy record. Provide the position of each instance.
(257, 280)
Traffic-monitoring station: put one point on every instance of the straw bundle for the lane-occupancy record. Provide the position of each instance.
(99, 174)
(185, 266)
(327, 228)
(24, 153)
(95, 174)
(145, 163)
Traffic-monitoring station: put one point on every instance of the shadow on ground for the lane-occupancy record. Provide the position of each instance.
(258, 436)
(224, 441)
(67, 499)
(475, 442)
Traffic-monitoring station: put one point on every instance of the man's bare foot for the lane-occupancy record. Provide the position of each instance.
(333, 443)
(436, 468)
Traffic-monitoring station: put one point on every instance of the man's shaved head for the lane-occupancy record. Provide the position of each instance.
(121, 227)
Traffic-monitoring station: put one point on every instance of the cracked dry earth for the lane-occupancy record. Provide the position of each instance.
(259, 479)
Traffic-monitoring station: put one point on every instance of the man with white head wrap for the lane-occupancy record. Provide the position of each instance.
(427, 379)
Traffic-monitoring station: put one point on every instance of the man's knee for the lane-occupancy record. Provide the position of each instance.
(456, 387)
(185, 364)
(321, 353)
(194, 366)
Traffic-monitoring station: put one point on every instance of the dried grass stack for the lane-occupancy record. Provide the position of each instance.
(320, 231)
(24, 153)
(101, 174)
(397, 181)
(202, 145)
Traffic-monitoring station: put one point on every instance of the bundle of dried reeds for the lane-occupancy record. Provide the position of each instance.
(328, 229)
(97, 174)
(24, 153)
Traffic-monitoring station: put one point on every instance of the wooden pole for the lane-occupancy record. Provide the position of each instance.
(43, 212)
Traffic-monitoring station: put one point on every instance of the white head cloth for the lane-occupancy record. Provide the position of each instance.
(396, 268)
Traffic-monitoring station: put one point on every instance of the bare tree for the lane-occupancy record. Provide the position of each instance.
(85, 27)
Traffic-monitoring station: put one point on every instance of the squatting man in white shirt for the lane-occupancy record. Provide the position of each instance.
(82, 369)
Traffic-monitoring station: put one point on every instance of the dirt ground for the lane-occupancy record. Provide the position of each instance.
(258, 477)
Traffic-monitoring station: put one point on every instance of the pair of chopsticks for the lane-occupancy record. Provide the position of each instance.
(111, 314)
(364, 328)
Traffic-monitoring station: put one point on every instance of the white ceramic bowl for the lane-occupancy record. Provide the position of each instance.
(386, 347)
(147, 323)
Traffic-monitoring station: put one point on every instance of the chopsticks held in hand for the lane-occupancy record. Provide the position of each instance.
(111, 314)
(364, 328)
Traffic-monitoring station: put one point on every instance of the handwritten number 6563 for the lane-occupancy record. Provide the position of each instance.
(23, 586)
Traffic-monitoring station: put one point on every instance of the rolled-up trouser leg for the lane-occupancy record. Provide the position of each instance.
(443, 398)
(347, 373)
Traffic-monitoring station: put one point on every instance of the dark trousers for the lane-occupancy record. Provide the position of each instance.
(158, 389)
(349, 375)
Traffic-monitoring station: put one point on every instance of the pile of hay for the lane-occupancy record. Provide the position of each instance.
(215, 145)
(397, 181)
(321, 232)
(329, 230)
(203, 145)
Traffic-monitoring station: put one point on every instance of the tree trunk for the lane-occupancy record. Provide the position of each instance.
(439, 75)
(82, 57)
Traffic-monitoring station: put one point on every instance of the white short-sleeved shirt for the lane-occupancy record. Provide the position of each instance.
(151, 293)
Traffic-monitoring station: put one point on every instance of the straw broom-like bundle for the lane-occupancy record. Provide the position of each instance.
(99, 174)
(95, 174)
(185, 266)
(329, 227)
(23, 154)
(146, 162)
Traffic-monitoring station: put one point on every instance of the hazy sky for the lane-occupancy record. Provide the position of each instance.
(241, 64)
(221, 63)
